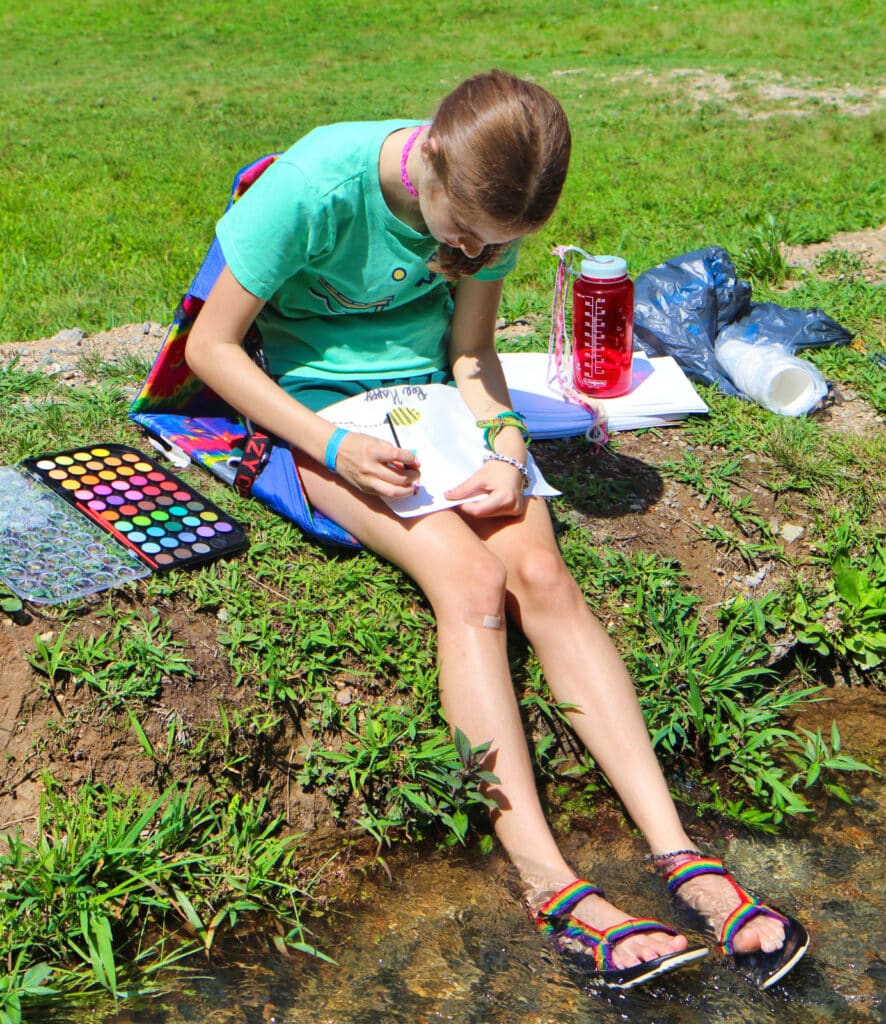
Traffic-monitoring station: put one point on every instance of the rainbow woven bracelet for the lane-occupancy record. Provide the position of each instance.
(492, 428)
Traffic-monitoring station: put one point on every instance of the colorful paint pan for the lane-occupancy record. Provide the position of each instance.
(141, 504)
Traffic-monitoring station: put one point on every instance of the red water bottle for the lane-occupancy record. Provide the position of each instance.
(602, 327)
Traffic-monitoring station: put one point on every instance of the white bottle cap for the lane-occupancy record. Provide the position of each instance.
(604, 267)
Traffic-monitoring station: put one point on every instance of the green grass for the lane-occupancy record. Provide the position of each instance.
(115, 889)
(123, 125)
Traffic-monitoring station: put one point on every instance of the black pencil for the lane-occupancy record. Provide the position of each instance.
(393, 431)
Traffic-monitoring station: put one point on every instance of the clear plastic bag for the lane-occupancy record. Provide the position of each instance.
(770, 375)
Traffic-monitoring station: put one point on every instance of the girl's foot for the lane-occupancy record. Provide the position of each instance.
(600, 914)
(715, 898)
(764, 943)
(609, 947)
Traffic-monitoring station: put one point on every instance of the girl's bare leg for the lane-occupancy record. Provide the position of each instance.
(583, 668)
(465, 582)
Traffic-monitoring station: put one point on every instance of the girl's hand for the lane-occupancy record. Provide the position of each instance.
(377, 467)
(500, 487)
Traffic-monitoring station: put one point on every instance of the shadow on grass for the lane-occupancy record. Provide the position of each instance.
(604, 485)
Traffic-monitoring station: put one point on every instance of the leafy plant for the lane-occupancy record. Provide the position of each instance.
(402, 777)
(18, 984)
(848, 619)
(748, 551)
(762, 259)
(16, 384)
(711, 695)
(10, 604)
(129, 661)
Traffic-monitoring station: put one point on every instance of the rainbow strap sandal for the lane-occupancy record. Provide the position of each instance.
(554, 918)
(763, 969)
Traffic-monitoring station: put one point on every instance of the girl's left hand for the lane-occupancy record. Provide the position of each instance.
(497, 489)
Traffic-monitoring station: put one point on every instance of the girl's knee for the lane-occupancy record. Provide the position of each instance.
(475, 580)
(485, 573)
(541, 572)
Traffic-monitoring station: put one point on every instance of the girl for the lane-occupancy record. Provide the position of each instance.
(373, 254)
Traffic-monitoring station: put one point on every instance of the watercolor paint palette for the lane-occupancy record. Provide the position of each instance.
(151, 518)
(158, 516)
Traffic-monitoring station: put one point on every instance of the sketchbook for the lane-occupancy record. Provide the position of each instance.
(432, 420)
(661, 394)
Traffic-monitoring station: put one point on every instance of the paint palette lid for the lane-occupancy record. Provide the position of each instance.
(164, 521)
(49, 553)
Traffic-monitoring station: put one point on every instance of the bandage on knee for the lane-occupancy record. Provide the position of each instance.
(482, 620)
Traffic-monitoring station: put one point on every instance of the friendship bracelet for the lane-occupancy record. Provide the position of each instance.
(492, 428)
(656, 857)
(332, 446)
(495, 457)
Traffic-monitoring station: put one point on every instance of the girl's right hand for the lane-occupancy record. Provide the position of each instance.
(377, 467)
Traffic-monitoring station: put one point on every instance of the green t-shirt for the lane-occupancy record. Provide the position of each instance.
(348, 289)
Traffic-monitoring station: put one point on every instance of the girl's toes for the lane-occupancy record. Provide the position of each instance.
(765, 934)
(655, 945)
(773, 940)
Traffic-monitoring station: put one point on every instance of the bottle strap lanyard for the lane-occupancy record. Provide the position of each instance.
(560, 372)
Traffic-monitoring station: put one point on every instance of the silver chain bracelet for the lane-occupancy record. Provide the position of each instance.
(496, 457)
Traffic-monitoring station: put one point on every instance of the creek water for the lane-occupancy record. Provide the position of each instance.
(445, 940)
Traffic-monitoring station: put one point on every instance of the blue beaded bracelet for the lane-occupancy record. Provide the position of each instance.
(332, 446)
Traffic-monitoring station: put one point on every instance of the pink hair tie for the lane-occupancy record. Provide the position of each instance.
(407, 149)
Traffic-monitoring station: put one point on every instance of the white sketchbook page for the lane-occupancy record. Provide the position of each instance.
(432, 420)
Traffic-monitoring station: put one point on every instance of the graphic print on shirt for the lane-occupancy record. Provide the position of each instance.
(342, 304)
(426, 280)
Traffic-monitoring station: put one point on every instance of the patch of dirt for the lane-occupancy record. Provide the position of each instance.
(634, 508)
(750, 95)
(75, 357)
(869, 248)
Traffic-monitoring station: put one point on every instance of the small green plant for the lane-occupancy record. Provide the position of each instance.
(401, 777)
(840, 262)
(130, 661)
(816, 761)
(107, 870)
(22, 983)
(749, 551)
(711, 695)
(11, 605)
(762, 259)
(712, 483)
(847, 619)
(128, 367)
(16, 383)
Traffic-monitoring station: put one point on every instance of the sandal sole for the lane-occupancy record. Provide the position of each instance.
(765, 969)
(628, 977)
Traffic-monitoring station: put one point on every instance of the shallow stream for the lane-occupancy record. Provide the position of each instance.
(446, 940)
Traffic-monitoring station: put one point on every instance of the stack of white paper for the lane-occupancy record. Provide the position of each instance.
(660, 394)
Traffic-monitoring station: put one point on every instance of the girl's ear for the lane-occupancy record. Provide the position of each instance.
(430, 146)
